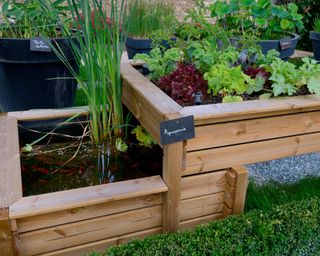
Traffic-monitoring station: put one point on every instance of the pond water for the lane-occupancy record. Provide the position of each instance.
(62, 166)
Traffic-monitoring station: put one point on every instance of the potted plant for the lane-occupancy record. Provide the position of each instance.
(274, 26)
(31, 75)
(315, 37)
(149, 22)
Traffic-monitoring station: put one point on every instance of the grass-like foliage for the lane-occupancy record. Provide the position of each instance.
(266, 196)
(147, 17)
(98, 51)
(26, 19)
(316, 24)
(290, 229)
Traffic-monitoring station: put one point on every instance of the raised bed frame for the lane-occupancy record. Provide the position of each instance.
(77, 221)
(226, 134)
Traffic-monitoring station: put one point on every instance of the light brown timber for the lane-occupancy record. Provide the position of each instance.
(64, 200)
(216, 135)
(223, 112)
(224, 157)
(188, 224)
(172, 169)
(240, 189)
(10, 181)
(204, 184)
(81, 232)
(6, 240)
(101, 245)
(86, 212)
(201, 206)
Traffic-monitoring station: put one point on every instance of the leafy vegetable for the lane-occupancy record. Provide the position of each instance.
(225, 80)
(160, 64)
(181, 84)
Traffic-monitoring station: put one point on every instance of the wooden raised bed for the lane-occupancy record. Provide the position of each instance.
(77, 221)
(226, 135)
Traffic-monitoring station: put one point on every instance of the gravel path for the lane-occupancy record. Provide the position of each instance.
(285, 170)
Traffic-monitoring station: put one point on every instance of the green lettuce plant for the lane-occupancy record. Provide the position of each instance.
(159, 63)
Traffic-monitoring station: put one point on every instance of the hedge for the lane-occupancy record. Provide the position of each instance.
(290, 229)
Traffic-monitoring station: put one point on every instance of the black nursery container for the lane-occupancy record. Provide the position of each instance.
(315, 37)
(34, 79)
(137, 45)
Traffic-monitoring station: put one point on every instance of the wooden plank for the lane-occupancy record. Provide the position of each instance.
(10, 182)
(201, 206)
(74, 198)
(222, 112)
(86, 212)
(204, 184)
(74, 234)
(226, 211)
(240, 189)
(219, 158)
(229, 196)
(231, 133)
(6, 242)
(231, 178)
(188, 224)
(44, 114)
(150, 96)
(142, 112)
(101, 246)
(172, 168)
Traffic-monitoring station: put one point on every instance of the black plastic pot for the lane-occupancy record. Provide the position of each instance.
(315, 37)
(137, 45)
(34, 79)
(285, 46)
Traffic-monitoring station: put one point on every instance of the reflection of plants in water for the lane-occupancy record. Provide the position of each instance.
(50, 169)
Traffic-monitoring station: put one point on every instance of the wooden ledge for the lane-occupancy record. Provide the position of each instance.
(74, 198)
(44, 114)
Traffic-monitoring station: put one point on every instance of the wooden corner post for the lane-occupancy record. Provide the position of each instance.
(172, 169)
(10, 182)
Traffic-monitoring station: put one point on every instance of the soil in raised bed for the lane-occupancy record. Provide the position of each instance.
(67, 165)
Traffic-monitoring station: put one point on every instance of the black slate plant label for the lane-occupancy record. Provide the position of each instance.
(285, 43)
(38, 44)
(176, 130)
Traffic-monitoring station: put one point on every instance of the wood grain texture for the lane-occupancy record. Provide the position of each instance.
(45, 114)
(6, 242)
(78, 233)
(201, 206)
(204, 184)
(240, 189)
(188, 224)
(216, 135)
(86, 212)
(222, 112)
(145, 100)
(64, 200)
(10, 181)
(101, 246)
(224, 157)
(172, 168)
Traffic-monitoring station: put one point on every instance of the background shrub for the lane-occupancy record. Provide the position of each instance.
(309, 9)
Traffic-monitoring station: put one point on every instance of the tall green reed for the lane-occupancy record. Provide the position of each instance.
(316, 24)
(147, 16)
(100, 33)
